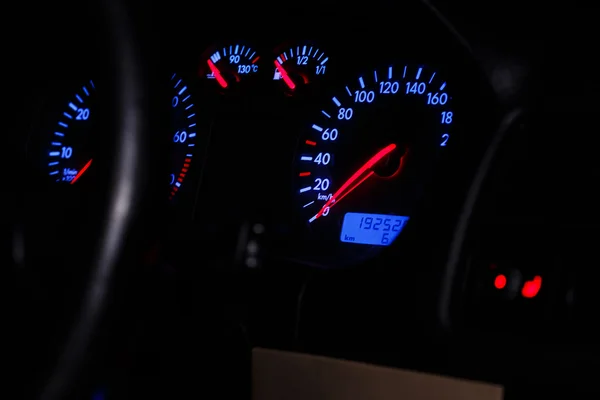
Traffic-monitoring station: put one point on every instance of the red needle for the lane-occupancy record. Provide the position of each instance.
(286, 78)
(82, 171)
(343, 192)
(217, 74)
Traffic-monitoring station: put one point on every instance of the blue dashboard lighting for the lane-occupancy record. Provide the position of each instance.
(371, 229)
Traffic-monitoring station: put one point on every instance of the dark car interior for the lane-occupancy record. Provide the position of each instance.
(411, 185)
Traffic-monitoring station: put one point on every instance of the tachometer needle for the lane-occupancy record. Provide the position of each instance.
(286, 77)
(355, 180)
(81, 171)
(215, 71)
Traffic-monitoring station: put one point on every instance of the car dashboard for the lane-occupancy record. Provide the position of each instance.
(366, 183)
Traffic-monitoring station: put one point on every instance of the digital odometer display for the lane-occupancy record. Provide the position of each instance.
(372, 229)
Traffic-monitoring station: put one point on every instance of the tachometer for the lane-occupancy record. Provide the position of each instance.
(366, 155)
(70, 148)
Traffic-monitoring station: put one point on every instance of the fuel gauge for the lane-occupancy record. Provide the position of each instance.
(299, 65)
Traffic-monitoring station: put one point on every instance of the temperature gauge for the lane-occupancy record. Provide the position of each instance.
(299, 65)
(229, 64)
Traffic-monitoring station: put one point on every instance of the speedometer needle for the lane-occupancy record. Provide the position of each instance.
(286, 77)
(81, 171)
(215, 71)
(357, 177)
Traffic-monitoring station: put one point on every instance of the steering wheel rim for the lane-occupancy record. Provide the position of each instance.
(123, 194)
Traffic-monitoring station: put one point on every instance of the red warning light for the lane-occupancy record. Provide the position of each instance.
(531, 288)
(500, 282)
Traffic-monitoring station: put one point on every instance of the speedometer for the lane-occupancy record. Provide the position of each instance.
(365, 156)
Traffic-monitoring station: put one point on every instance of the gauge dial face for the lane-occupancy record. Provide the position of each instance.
(184, 126)
(364, 157)
(229, 64)
(69, 151)
(298, 65)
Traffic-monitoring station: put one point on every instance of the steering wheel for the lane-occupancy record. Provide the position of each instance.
(124, 190)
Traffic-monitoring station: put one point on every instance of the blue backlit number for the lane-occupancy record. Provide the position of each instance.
(377, 224)
(175, 101)
(325, 212)
(397, 225)
(386, 224)
(366, 223)
(360, 96)
(436, 98)
(345, 113)
(323, 158)
(445, 138)
(172, 179)
(234, 59)
(66, 152)
(415, 88)
(180, 137)
(321, 184)
(447, 117)
(321, 69)
(330, 134)
(302, 60)
(389, 87)
(83, 114)
(244, 69)
(385, 238)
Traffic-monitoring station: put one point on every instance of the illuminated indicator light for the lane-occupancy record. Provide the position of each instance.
(317, 128)
(186, 165)
(185, 170)
(306, 189)
(348, 91)
(362, 83)
(325, 60)
(431, 79)
(189, 155)
(336, 101)
(311, 143)
(178, 184)
(532, 288)
(443, 86)
(301, 173)
(255, 60)
(188, 160)
(178, 180)
(419, 73)
(500, 282)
